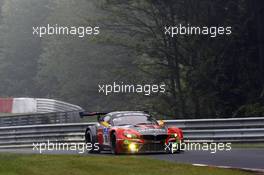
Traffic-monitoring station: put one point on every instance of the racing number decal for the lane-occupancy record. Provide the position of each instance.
(106, 135)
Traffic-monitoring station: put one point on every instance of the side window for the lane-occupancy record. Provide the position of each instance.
(111, 123)
(107, 119)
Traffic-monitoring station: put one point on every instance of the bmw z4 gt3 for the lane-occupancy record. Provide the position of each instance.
(131, 132)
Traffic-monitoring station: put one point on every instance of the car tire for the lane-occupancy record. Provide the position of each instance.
(176, 151)
(89, 138)
(179, 149)
(114, 144)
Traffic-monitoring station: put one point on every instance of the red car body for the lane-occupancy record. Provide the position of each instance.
(131, 132)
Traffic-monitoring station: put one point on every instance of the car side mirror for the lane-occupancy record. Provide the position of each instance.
(161, 123)
(105, 124)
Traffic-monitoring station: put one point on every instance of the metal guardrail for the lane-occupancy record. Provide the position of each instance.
(222, 130)
(40, 118)
(25, 136)
(46, 111)
(50, 105)
(35, 105)
(205, 130)
(224, 123)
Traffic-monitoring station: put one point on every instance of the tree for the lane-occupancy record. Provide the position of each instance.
(207, 76)
(73, 67)
(20, 50)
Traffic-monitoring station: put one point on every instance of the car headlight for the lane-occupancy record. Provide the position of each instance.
(130, 135)
(174, 135)
(133, 147)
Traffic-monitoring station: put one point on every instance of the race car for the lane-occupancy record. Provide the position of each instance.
(131, 132)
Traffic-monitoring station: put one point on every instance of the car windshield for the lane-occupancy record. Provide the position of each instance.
(133, 120)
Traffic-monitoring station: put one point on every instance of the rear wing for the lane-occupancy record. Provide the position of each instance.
(84, 114)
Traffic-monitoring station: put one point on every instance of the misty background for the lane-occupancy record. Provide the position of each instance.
(205, 77)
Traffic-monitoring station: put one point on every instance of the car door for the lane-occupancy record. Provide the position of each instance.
(103, 131)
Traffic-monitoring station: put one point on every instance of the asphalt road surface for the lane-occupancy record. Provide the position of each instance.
(236, 158)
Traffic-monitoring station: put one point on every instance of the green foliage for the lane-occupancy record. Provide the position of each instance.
(252, 110)
(20, 50)
(73, 67)
(204, 77)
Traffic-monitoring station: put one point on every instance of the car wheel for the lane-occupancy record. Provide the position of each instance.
(89, 139)
(173, 148)
(178, 150)
(114, 144)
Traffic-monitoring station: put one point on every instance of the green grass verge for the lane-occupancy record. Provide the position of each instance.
(248, 145)
(13, 164)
